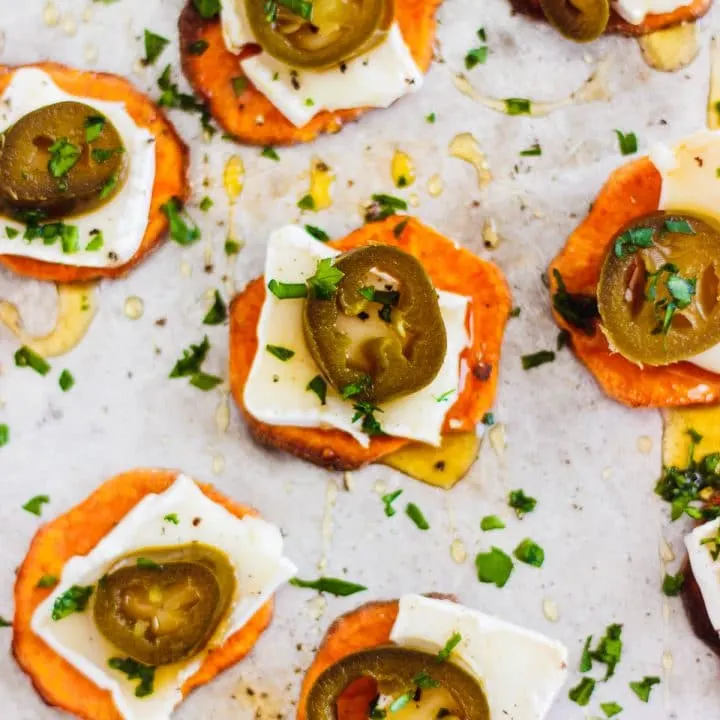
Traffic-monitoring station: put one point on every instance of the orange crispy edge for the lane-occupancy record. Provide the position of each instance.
(76, 533)
(631, 191)
(211, 74)
(171, 166)
(452, 269)
(652, 23)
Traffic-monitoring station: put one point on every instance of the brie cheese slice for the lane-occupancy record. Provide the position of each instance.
(705, 569)
(635, 11)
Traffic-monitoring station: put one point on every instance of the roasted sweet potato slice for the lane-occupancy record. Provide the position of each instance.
(212, 73)
(171, 161)
(631, 191)
(452, 269)
(652, 23)
(76, 533)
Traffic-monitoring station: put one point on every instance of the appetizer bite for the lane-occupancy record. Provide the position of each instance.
(345, 353)
(143, 592)
(586, 20)
(431, 657)
(90, 171)
(636, 285)
(282, 72)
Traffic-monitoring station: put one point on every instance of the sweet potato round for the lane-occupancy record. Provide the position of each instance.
(171, 166)
(76, 533)
(452, 269)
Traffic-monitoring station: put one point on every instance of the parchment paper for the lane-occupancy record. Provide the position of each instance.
(567, 445)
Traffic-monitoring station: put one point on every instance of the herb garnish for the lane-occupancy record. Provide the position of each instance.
(34, 505)
(494, 567)
(317, 233)
(444, 397)
(491, 522)
(206, 203)
(681, 292)
(384, 206)
(306, 202)
(63, 157)
(239, 85)
(611, 709)
(518, 106)
(673, 584)
(73, 600)
(324, 283)
(66, 380)
(171, 97)
(319, 387)
(11, 232)
(642, 689)
(541, 357)
(632, 240)
(287, 291)
(628, 143)
(270, 153)
(476, 56)
(97, 241)
(147, 564)
(198, 47)
(353, 389)
(25, 357)
(4, 623)
(370, 424)
(203, 381)
(425, 682)
(102, 155)
(136, 671)
(453, 641)
(4, 434)
(533, 151)
(530, 553)
(521, 503)
(281, 353)
(400, 702)
(582, 693)
(416, 515)
(189, 365)
(94, 125)
(172, 518)
(431, 118)
(576, 309)
(388, 500)
(217, 314)
(182, 229)
(334, 586)
(47, 581)
(154, 46)
(681, 226)
(609, 649)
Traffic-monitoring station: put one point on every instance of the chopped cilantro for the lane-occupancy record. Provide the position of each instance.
(586, 658)
(102, 155)
(287, 291)
(643, 688)
(611, 709)
(73, 600)
(518, 106)
(425, 682)
(370, 424)
(521, 503)
(628, 143)
(632, 240)
(431, 118)
(191, 360)
(609, 649)
(270, 153)
(217, 314)
(47, 581)
(281, 353)
(203, 381)
(355, 388)
(206, 203)
(147, 564)
(444, 397)
(208, 9)
(239, 85)
(171, 97)
(232, 247)
(306, 202)
(25, 357)
(488, 419)
(11, 232)
(4, 434)
(494, 567)
(317, 233)
(198, 47)
(63, 157)
(578, 310)
(334, 586)
(582, 693)
(491, 522)
(94, 125)
(679, 225)
(388, 500)
(453, 641)
(172, 518)
(532, 151)
(319, 387)
(536, 359)
(97, 241)
(136, 671)
(530, 553)
(384, 206)
(476, 56)
(324, 283)
(400, 702)
(182, 229)
(673, 584)
(154, 46)
(108, 187)
(416, 515)
(66, 380)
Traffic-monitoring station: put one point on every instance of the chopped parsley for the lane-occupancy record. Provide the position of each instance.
(94, 125)
(518, 106)
(154, 46)
(198, 47)
(530, 553)
(281, 353)
(270, 153)
(453, 641)
(494, 567)
(206, 203)
(521, 503)
(370, 424)
(189, 365)
(207, 9)
(317, 233)
(533, 151)
(306, 202)
(172, 518)
(611, 709)
(582, 693)
(182, 229)
(388, 501)
(136, 671)
(632, 240)
(63, 157)
(355, 388)
(628, 143)
(73, 600)
(4, 434)
(580, 311)
(673, 584)
(217, 314)
(287, 291)
(47, 581)
(416, 515)
(147, 564)
(25, 357)
(324, 283)
(681, 292)
(476, 56)
(333, 586)
(491, 522)
(643, 688)
(384, 206)
(609, 649)
(319, 387)
(66, 380)
(536, 359)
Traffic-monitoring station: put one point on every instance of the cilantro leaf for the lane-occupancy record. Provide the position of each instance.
(333, 586)
(154, 46)
(182, 229)
(643, 688)
(73, 600)
(494, 567)
(217, 314)
(324, 283)
(136, 671)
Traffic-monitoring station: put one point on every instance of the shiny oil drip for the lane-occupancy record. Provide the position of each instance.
(672, 49)
(465, 147)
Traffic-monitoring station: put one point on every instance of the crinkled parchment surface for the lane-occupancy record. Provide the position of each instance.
(567, 445)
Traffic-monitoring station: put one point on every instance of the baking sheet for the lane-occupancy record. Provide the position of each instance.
(590, 463)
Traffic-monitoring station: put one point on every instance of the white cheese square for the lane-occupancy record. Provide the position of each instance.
(376, 79)
(635, 11)
(705, 569)
(124, 218)
(254, 546)
(276, 392)
(521, 671)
